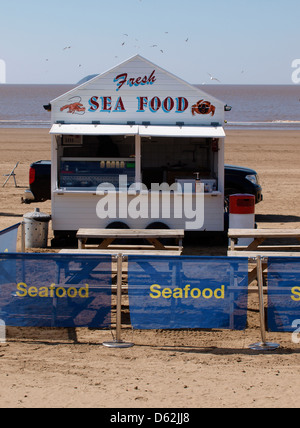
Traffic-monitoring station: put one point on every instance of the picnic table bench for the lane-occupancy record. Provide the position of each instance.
(124, 252)
(255, 248)
(259, 236)
(153, 236)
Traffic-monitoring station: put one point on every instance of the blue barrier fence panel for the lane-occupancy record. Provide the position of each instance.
(8, 239)
(188, 292)
(283, 293)
(8, 244)
(55, 290)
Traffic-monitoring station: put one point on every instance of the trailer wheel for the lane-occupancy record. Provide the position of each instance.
(157, 225)
(117, 225)
(160, 225)
(120, 225)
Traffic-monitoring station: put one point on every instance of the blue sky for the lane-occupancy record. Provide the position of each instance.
(238, 41)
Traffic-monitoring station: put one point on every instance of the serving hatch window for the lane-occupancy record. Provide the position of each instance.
(98, 146)
(168, 159)
(86, 161)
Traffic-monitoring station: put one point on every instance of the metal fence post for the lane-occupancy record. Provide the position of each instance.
(2, 331)
(23, 237)
(263, 345)
(118, 343)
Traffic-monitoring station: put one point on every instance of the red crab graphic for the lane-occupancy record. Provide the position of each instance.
(203, 107)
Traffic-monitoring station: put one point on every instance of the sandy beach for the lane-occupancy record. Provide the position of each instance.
(164, 369)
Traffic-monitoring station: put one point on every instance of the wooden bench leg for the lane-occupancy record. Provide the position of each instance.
(233, 241)
(157, 244)
(81, 243)
(180, 244)
(252, 275)
(106, 242)
(253, 246)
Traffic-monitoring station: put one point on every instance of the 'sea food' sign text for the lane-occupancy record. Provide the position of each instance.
(143, 103)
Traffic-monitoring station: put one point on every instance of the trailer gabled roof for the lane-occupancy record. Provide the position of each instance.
(138, 91)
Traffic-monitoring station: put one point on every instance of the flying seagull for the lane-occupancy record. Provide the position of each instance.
(213, 78)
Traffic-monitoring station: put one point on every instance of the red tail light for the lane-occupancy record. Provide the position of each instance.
(31, 175)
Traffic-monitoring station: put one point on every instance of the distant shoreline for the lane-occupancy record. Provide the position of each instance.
(230, 126)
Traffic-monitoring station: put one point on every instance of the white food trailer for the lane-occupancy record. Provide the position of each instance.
(133, 124)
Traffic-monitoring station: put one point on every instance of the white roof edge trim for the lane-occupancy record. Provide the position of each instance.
(182, 131)
(143, 131)
(73, 129)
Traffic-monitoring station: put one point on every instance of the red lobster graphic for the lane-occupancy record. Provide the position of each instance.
(73, 108)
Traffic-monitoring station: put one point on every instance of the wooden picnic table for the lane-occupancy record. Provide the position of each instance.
(153, 236)
(124, 252)
(259, 236)
(255, 248)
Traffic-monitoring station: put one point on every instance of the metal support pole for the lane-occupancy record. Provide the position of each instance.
(2, 331)
(118, 343)
(263, 345)
(119, 298)
(23, 237)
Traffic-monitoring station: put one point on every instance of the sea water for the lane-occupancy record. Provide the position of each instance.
(253, 106)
